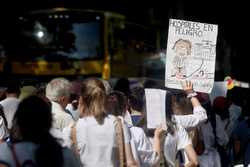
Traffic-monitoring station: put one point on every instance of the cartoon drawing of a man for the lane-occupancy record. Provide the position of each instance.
(182, 49)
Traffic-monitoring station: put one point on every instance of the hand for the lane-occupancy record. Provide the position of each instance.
(187, 86)
(159, 132)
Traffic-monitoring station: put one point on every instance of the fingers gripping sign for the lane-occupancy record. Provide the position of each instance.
(187, 86)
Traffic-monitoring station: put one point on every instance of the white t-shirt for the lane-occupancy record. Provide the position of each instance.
(173, 143)
(142, 148)
(10, 105)
(26, 151)
(192, 120)
(61, 119)
(97, 143)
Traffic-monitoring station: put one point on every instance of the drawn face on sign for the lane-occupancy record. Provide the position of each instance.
(182, 47)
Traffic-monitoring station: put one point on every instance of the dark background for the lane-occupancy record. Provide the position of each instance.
(232, 18)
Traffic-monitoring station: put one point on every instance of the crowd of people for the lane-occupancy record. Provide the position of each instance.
(93, 123)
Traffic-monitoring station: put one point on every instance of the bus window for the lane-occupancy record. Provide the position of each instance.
(52, 38)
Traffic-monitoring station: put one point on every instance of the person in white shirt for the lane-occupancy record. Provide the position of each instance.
(177, 135)
(145, 153)
(96, 130)
(188, 111)
(58, 92)
(11, 102)
(32, 144)
(177, 138)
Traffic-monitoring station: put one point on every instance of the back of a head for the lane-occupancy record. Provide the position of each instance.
(137, 99)
(34, 118)
(27, 91)
(180, 103)
(57, 88)
(94, 97)
(117, 103)
(13, 87)
(205, 101)
(220, 106)
(122, 85)
(221, 103)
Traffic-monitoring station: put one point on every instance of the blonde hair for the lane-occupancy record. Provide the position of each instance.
(94, 97)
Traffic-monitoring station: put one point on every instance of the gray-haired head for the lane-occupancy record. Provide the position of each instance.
(57, 88)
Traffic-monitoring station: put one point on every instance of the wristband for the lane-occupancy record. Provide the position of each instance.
(190, 95)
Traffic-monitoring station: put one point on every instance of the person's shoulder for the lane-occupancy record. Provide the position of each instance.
(61, 114)
(86, 121)
(137, 130)
(111, 118)
(81, 122)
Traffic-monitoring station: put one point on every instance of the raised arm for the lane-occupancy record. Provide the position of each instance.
(192, 157)
(188, 88)
(199, 113)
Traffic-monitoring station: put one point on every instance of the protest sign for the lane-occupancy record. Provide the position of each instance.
(155, 107)
(191, 54)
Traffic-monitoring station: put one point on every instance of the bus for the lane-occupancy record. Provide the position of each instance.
(60, 42)
(72, 43)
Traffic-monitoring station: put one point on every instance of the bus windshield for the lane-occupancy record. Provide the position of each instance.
(57, 37)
